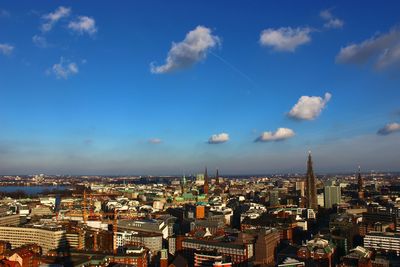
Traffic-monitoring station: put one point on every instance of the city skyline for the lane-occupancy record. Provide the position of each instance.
(173, 87)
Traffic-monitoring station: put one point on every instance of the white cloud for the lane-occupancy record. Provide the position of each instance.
(285, 38)
(39, 41)
(389, 128)
(83, 24)
(218, 138)
(52, 18)
(6, 49)
(383, 50)
(330, 20)
(64, 69)
(4, 13)
(279, 135)
(188, 52)
(309, 107)
(154, 141)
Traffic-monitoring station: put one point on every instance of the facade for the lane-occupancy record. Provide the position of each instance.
(301, 186)
(206, 185)
(46, 238)
(151, 226)
(317, 252)
(332, 196)
(76, 239)
(265, 246)
(360, 184)
(238, 253)
(274, 198)
(203, 259)
(151, 241)
(311, 190)
(10, 220)
(385, 242)
(290, 262)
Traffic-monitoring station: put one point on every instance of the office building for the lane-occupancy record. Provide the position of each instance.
(274, 198)
(238, 253)
(47, 238)
(265, 246)
(332, 196)
(383, 241)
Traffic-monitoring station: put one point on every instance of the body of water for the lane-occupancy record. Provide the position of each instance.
(32, 190)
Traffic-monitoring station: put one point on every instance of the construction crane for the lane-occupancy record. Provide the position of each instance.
(99, 216)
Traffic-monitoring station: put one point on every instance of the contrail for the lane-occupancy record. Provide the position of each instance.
(244, 75)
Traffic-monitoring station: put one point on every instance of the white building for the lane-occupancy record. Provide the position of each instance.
(383, 241)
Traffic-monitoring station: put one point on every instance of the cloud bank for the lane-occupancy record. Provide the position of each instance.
(309, 107)
(382, 50)
(191, 50)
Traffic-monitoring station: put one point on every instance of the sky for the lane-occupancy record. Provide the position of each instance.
(169, 87)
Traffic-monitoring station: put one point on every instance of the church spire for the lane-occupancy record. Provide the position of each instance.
(311, 185)
(205, 187)
(360, 184)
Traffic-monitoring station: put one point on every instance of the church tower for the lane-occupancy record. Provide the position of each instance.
(360, 184)
(205, 187)
(311, 189)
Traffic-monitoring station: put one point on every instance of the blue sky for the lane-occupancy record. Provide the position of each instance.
(157, 87)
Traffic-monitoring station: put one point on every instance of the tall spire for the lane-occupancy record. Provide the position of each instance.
(205, 187)
(360, 184)
(183, 183)
(311, 190)
(217, 178)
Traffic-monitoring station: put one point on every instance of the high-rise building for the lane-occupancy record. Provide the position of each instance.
(320, 200)
(360, 184)
(205, 187)
(217, 178)
(265, 246)
(311, 190)
(274, 198)
(300, 186)
(183, 184)
(332, 195)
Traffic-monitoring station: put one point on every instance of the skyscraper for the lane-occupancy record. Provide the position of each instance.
(183, 184)
(205, 187)
(274, 198)
(311, 190)
(360, 184)
(332, 195)
(217, 178)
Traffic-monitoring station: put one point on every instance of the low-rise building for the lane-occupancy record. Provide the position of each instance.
(383, 241)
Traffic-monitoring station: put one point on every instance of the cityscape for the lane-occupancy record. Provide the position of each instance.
(194, 133)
